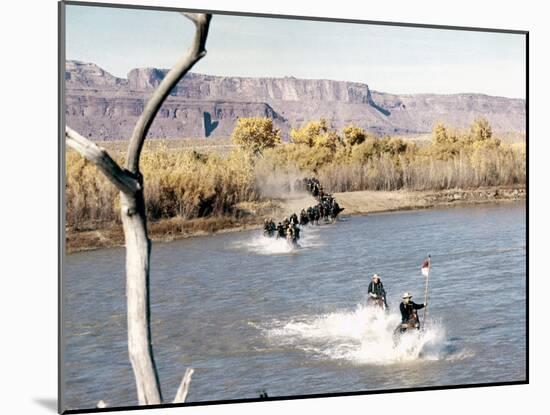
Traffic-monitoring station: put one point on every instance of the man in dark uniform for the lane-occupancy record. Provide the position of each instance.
(286, 222)
(311, 214)
(377, 293)
(272, 227)
(281, 233)
(303, 217)
(409, 316)
(321, 193)
(267, 228)
(295, 232)
(321, 209)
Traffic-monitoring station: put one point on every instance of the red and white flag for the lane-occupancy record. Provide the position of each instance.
(426, 267)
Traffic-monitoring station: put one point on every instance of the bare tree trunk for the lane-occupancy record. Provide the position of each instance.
(138, 249)
(135, 227)
(134, 221)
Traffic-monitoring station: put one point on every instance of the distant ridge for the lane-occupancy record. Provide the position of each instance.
(104, 107)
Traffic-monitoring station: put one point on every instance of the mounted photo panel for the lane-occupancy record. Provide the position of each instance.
(264, 207)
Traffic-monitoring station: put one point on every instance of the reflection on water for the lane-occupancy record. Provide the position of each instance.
(250, 314)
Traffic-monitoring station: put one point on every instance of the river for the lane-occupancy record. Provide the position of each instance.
(249, 314)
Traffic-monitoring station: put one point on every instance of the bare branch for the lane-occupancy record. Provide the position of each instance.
(181, 394)
(134, 222)
(186, 62)
(122, 179)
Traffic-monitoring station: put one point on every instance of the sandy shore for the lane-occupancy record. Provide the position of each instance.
(364, 202)
(253, 215)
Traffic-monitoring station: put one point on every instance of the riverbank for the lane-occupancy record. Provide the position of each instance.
(364, 202)
(251, 216)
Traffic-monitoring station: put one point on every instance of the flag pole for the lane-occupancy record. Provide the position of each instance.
(426, 291)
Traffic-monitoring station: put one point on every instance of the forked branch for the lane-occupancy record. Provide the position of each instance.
(182, 66)
(122, 179)
(138, 245)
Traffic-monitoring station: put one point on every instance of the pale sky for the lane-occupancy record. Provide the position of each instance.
(402, 60)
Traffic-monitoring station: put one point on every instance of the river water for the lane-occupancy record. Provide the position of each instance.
(250, 314)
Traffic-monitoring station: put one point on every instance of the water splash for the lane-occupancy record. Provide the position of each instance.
(361, 336)
(259, 244)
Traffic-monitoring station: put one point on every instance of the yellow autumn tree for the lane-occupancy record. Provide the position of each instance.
(254, 134)
(354, 135)
(481, 130)
(316, 134)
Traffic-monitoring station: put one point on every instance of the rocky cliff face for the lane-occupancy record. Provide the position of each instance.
(102, 106)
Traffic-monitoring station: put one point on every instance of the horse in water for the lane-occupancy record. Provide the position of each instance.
(412, 323)
(292, 239)
(410, 326)
(377, 302)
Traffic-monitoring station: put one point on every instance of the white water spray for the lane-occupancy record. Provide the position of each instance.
(263, 245)
(361, 336)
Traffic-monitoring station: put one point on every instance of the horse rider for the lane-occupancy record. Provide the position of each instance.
(376, 291)
(409, 316)
(267, 228)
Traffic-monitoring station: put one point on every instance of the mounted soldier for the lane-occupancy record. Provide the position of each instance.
(335, 210)
(409, 315)
(321, 193)
(311, 214)
(267, 228)
(304, 219)
(321, 209)
(280, 230)
(377, 293)
(290, 236)
(295, 232)
(272, 226)
(286, 222)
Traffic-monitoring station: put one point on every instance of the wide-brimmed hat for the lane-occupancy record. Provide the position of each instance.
(407, 295)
